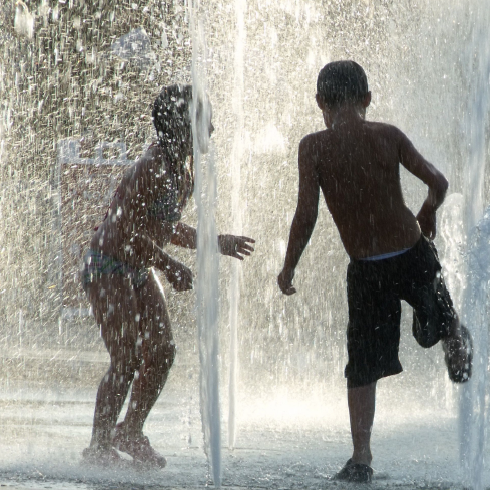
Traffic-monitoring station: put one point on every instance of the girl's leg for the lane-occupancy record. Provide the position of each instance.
(114, 305)
(158, 353)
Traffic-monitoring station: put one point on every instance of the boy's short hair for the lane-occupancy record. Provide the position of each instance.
(342, 81)
(171, 115)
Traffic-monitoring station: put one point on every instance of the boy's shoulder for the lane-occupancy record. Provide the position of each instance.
(384, 129)
(326, 145)
(374, 127)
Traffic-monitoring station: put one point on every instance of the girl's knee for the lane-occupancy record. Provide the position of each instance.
(124, 366)
(172, 352)
(160, 356)
(165, 354)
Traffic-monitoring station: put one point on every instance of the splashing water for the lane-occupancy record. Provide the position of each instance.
(24, 20)
(236, 212)
(427, 63)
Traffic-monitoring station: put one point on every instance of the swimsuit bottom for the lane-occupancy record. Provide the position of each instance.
(96, 265)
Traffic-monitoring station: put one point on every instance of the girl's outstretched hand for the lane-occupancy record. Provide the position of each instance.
(235, 246)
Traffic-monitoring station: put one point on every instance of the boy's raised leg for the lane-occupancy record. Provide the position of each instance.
(458, 352)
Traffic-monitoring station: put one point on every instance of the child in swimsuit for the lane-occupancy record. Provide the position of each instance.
(124, 291)
(356, 164)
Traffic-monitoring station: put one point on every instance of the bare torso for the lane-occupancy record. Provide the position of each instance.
(141, 211)
(359, 174)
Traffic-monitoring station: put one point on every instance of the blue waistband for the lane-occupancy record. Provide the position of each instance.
(387, 255)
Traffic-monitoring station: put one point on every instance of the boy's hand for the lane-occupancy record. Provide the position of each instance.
(235, 246)
(427, 221)
(284, 280)
(179, 276)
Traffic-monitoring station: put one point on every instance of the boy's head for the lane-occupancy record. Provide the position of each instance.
(342, 82)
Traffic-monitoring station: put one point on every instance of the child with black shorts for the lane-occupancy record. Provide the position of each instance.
(356, 164)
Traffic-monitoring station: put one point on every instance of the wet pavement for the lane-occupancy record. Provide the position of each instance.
(285, 440)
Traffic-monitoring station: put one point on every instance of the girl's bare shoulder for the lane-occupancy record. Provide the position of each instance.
(147, 168)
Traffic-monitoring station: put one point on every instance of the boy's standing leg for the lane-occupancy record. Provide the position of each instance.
(362, 401)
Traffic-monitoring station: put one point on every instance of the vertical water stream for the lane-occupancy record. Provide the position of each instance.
(237, 157)
(207, 251)
(474, 405)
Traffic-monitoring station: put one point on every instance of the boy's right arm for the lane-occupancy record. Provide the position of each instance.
(415, 163)
(304, 218)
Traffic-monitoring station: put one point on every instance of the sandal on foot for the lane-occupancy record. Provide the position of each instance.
(459, 375)
(138, 448)
(355, 473)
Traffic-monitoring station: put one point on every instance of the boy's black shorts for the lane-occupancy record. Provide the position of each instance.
(375, 290)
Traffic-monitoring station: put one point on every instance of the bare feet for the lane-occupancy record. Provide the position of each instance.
(355, 472)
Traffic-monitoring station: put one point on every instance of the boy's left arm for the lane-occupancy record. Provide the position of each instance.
(415, 163)
(304, 219)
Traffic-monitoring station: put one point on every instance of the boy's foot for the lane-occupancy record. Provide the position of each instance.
(355, 473)
(458, 355)
(103, 457)
(138, 448)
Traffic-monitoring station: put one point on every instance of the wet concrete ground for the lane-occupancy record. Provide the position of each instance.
(285, 440)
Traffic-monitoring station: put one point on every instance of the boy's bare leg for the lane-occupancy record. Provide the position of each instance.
(158, 353)
(114, 306)
(362, 401)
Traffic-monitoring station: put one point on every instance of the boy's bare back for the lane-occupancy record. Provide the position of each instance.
(356, 165)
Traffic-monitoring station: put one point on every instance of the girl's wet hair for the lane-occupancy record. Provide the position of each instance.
(342, 82)
(171, 115)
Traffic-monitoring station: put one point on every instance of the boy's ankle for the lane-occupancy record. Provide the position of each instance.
(362, 458)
